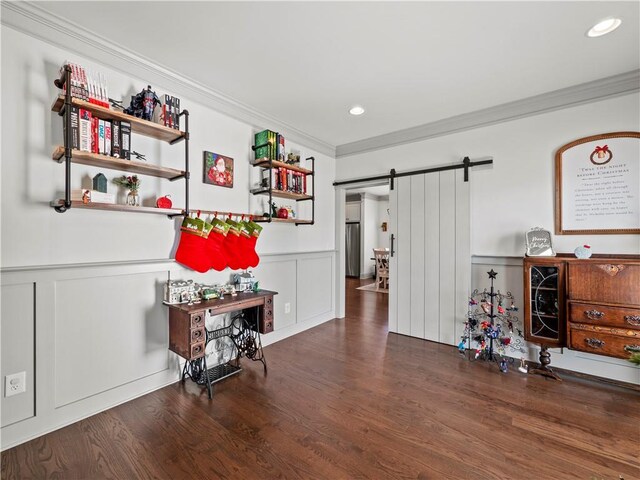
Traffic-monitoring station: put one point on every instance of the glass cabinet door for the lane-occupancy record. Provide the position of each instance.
(544, 307)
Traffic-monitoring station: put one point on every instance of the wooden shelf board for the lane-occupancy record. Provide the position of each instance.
(138, 125)
(281, 194)
(118, 207)
(283, 220)
(104, 161)
(264, 163)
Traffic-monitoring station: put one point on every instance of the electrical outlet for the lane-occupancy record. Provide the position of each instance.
(15, 384)
(287, 308)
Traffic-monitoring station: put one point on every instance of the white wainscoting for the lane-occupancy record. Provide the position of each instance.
(93, 336)
(511, 278)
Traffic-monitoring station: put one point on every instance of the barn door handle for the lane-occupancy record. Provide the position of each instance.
(393, 238)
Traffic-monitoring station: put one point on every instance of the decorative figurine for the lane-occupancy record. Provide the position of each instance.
(164, 202)
(245, 281)
(283, 213)
(504, 366)
(100, 183)
(143, 104)
(523, 366)
(583, 251)
(538, 243)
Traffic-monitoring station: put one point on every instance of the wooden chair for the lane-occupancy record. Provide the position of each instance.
(382, 268)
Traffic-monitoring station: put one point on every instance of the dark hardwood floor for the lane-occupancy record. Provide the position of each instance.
(347, 400)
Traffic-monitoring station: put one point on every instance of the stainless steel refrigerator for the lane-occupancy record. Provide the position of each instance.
(352, 243)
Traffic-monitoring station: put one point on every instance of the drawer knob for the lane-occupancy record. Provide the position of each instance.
(197, 334)
(594, 314)
(594, 342)
(632, 348)
(197, 349)
(633, 320)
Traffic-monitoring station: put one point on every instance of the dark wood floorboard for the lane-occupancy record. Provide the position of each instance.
(347, 400)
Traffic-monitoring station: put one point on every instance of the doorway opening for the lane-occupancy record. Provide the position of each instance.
(362, 233)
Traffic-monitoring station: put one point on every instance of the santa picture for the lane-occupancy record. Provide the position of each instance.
(218, 170)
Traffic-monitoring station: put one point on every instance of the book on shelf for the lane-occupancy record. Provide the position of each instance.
(85, 132)
(75, 128)
(92, 196)
(125, 140)
(94, 134)
(88, 86)
(279, 148)
(285, 180)
(107, 137)
(101, 136)
(266, 141)
(115, 139)
(171, 112)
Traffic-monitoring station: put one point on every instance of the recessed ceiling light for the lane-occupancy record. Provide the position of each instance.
(356, 110)
(604, 27)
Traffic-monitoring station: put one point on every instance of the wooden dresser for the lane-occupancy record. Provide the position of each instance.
(590, 305)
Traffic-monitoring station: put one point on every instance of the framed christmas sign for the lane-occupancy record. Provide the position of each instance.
(218, 170)
(598, 185)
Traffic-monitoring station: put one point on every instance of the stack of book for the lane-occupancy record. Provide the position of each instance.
(92, 134)
(86, 85)
(270, 146)
(286, 180)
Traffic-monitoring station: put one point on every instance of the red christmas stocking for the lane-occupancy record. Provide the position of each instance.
(243, 246)
(249, 236)
(191, 250)
(231, 245)
(215, 245)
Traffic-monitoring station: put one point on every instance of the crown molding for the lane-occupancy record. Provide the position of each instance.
(596, 90)
(36, 22)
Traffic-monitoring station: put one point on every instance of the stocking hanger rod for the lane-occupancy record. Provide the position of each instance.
(466, 165)
(223, 213)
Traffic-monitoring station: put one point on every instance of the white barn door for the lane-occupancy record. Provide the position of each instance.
(430, 269)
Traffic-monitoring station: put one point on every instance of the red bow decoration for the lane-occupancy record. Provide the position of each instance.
(604, 149)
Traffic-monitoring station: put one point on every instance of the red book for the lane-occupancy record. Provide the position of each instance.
(94, 135)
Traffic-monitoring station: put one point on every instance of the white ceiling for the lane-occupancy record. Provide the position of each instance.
(407, 63)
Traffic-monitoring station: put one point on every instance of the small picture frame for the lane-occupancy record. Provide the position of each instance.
(217, 170)
(538, 242)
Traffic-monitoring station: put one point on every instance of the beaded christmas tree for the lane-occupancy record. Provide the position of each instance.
(492, 326)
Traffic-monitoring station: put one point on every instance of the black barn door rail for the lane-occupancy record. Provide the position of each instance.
(466, 165)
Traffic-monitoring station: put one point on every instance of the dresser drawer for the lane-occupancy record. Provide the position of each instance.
(613, 342)
(197, 335)
(197, 320)
(197, 350)
(596, 282)
(605, 316)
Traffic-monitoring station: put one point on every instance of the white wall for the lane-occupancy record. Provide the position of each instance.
(383, 216)
(517, 192)
(112, 265)
(369, 227)
(31, 179)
